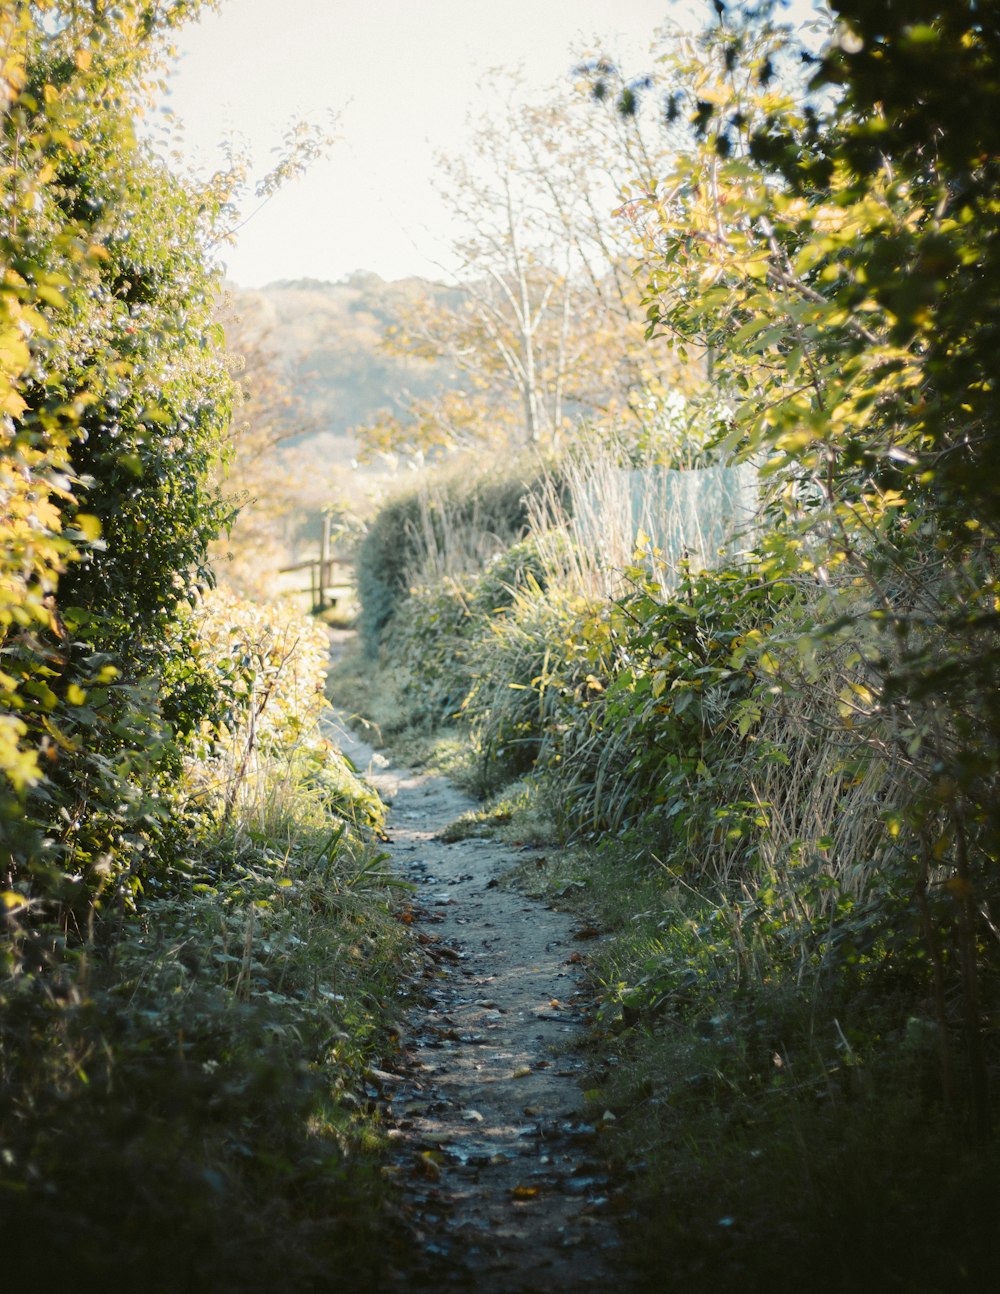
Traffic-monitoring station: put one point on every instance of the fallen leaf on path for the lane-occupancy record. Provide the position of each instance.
(441, 952)
(524, 1192)
(429, 1163)
(522, 1072)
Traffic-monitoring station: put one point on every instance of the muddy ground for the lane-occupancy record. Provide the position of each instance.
(500, 1168)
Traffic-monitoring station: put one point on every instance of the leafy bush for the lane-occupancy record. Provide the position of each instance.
(525, 665)
(658, 705)
(265, 667)
(198, 1050)
(850, 318)
(197, 932)
(115, 400)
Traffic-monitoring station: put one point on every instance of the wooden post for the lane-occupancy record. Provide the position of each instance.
(325, 579)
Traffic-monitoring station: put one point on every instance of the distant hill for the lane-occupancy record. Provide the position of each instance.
(328, 337)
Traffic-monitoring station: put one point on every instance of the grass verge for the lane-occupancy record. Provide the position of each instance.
(771, 1133)
(185, 1087)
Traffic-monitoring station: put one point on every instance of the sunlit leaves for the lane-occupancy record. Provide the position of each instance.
(838, 260)
(112, 406)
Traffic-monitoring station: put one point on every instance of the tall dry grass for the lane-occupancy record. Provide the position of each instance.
(593, 522)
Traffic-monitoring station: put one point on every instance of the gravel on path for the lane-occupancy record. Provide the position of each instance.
(500, 1168)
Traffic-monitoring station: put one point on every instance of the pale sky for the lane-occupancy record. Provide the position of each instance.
(402, 74)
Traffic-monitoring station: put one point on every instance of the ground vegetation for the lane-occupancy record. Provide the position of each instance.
(776, 765)
(198, 942)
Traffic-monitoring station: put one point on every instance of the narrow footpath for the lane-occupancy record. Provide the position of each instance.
(501, 1172)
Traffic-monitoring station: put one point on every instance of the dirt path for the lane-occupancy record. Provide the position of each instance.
(503, 1181)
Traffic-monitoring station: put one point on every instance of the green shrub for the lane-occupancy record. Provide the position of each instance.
(451, 523)
(432, 654)
(117, 400)
(196, 1054)
(185, 1090)
(525, 664)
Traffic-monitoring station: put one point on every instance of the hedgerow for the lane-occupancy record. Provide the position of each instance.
(198, 949)
(425, 532)
(781, 772)
(115, 398)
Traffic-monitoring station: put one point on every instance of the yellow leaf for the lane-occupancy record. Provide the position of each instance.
(83, 59)
(89, 525)
(75, 695)
(769, 663)
(50, 295)
(13, 404)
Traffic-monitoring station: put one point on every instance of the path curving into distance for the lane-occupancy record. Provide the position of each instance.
(502, 1176)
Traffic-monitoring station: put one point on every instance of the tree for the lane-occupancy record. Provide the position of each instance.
(546, 326)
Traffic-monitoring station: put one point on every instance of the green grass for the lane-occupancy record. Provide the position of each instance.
(770, 1134)
(515, 815)
(184, 1089)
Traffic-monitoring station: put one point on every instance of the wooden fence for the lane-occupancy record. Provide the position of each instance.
(330, 579)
